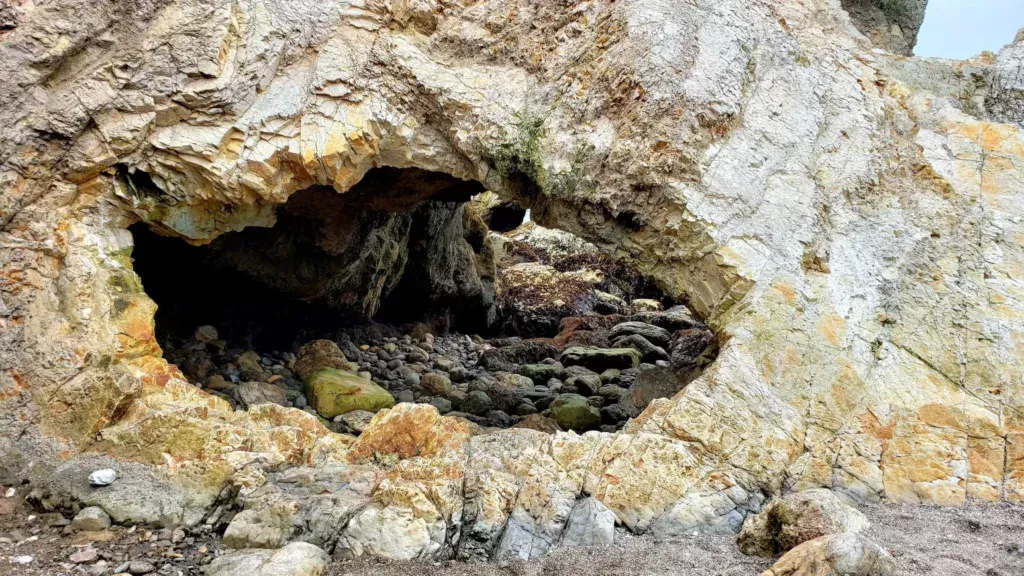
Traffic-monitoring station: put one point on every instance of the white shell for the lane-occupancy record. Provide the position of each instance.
(104, 477)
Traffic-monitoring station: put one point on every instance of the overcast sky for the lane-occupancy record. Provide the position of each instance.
(963, 28)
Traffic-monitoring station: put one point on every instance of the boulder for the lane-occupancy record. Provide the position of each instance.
(332, 392)
(653, 334)
(673, 319)
(846, 554)
(477, 403)
(506, 390)
(436, 384)
(318, 355)
(796, 518)
(600, 359)
(535, 297)
(355, 421)
(267, 528)
(590, 524)
(648, 351)
(585, 384)
(539, 423)
(574, 412)
(295, 559)
(541, 373)
(90, 519)
(650, 385)
(508, 358)
(687, 346)
(250, 394)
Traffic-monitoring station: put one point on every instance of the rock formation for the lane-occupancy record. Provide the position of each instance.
(848, 221)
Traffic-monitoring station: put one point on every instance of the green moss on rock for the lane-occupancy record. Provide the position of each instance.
(333, 392)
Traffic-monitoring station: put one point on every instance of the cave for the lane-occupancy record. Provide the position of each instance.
(398, 246)
(394, 275)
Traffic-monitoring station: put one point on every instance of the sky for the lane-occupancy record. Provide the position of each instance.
(963, 28)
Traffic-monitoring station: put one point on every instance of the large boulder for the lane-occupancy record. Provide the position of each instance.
(600, 359)
(251, 394)
(653, 334)
(846, 554)
(333, 392)
(574, 412)
(509, 357)
(268, 528)
(295, 559)
(534, 297)
(649, 385)
(796, 518)
(318, 355)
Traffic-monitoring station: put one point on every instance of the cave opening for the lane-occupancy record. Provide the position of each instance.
(421, 300)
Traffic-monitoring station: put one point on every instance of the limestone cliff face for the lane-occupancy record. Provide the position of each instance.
(852, 230)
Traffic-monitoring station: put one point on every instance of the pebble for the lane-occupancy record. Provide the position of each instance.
(84, 556)
(22, 560)
(138, 567)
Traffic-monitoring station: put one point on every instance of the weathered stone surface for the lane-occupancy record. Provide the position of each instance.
(539, 423)
(845, 554)
(590, 524)
(332, 392)
(601, 359)
(250, 394)
(573, 412)
(318, 355)
(650, 385)
(295, 559)
(535, 297)
(90, 519)
(258, 529)
(797, 518)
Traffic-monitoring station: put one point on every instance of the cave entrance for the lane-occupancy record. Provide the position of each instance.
(398, 246)
(396, 273)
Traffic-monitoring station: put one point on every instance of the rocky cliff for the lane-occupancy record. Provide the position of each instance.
(849, 221)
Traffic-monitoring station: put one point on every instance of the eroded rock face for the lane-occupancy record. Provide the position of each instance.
(848, 228)
(889, 24)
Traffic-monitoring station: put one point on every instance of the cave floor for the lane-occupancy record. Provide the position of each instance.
(982, 539)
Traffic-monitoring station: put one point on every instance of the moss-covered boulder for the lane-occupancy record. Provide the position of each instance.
(333, 392)
(574, 412)
(541, 373)
(601, 359)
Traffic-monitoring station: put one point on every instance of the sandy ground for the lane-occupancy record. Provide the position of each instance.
(984, 539)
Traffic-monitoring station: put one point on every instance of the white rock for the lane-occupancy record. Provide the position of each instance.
(295, 559)
(103, 477)
(22, 560)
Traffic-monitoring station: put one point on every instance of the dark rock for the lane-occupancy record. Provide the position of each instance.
(541, 373)
(613, 414)
(650, 385)
(586, 384)
(539, 423)
(648, 351)
(477, 403)
(653, 334)
(574, 412)
(673, 319)
(688, 346)
(600, 359)
(508, 358)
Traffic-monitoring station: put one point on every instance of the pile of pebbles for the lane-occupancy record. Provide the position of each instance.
(548, 384)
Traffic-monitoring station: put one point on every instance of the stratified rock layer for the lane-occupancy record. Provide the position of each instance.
(848, 227)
